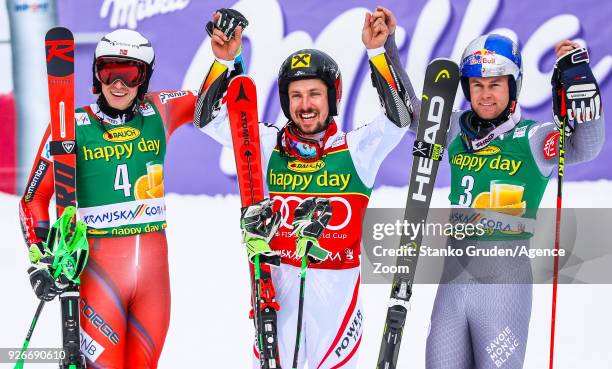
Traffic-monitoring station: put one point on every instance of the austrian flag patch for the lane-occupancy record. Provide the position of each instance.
(550, 145)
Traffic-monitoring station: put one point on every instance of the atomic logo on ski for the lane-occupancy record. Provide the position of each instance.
(242, 96)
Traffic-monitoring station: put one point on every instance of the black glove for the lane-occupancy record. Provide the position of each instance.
(227, 23)
(259, 224)
(43, 284)
(309, 221)
(575, 91)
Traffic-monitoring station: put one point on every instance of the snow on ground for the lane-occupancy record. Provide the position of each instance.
(209, 327)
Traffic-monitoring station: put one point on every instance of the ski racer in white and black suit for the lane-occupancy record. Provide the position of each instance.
(312, 156)
(500, 165)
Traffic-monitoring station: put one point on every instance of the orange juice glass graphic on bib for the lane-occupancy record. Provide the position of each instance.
(506, 197)
(151, 185)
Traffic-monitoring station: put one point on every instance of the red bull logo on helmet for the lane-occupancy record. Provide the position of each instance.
(482, 56)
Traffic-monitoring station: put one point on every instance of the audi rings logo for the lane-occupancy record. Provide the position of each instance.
(337, 203)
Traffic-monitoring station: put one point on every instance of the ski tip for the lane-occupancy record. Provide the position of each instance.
(59, 33)
(442, 70)
(444, 63)
(242, 78)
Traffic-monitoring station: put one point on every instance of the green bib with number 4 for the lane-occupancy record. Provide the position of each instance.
(120, 188)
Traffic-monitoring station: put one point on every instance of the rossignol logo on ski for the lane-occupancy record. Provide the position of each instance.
(121, 134)
(61, 49)
(301, 167)
(68, 146)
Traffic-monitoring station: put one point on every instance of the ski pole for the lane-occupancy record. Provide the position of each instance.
(563, 121)
(301, 305)
(26, 343)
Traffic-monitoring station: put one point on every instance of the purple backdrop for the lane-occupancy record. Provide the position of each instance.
(176, 30)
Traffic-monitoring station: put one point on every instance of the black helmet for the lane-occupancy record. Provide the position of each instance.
(310, 64)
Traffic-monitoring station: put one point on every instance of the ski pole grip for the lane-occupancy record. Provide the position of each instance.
(316, 252)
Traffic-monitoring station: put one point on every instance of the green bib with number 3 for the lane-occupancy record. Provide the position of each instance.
(120, 188)
(502, 177)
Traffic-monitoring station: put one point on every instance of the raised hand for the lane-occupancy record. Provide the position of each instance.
(225, 47)
(375, 30)
(388, 17)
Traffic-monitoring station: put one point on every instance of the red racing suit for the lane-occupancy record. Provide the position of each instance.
(125, 288)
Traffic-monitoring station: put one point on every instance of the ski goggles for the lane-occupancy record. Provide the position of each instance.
(131, 72)
(305, 149)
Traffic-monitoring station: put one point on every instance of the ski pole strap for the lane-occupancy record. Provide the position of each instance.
(428, 150)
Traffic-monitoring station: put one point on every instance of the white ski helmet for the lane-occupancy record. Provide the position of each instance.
(491, 56)
(125, 44)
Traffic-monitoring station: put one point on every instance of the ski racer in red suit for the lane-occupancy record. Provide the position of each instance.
(121, 144)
